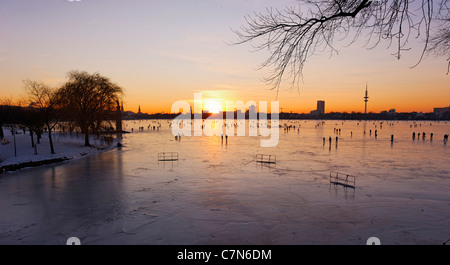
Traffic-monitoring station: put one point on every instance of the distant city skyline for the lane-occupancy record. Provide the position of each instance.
(315, 111)
(143, 47)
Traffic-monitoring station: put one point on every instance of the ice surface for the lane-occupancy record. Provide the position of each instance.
(216, 193)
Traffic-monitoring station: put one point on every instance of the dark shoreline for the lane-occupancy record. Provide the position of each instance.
(18, 166)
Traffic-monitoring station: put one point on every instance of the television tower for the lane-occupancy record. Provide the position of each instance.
(366, 98)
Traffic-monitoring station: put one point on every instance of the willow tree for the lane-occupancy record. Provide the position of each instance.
(87, 98)
(293, 34)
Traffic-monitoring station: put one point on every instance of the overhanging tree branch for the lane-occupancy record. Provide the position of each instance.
(294, 34)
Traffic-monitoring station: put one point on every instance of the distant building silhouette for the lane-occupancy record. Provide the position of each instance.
(320, 107)
(252, 109)
(390, 113)
(441, 110)
(320, 111)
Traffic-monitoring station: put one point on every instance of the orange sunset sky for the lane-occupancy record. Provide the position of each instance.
(160, 52)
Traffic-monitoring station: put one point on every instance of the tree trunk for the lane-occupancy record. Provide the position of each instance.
(52, 150)
(38, 136)
(32, 138)
(85, 129)
(2, 135)
(86, 138)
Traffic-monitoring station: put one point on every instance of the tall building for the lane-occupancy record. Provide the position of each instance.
(441, 110)
(366, 98)
(320, 107)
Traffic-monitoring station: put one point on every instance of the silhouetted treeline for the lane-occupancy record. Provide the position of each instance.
(23, 118)
(33, 120)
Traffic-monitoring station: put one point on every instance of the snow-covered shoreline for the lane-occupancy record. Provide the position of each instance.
(67, 147)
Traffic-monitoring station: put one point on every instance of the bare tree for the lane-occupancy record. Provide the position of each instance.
(292, 35)
(31, 118)
(440, 43)
(88, 97)
(45, 99)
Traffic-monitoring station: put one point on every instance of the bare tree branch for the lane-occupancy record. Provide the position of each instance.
(292, 35)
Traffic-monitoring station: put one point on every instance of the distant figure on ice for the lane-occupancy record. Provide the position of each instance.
(414, 135)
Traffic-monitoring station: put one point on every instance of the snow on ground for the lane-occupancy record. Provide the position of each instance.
(65, 146)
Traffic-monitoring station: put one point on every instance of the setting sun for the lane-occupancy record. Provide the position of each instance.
(213, 105)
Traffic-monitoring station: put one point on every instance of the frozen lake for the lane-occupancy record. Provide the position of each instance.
(217, 194)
